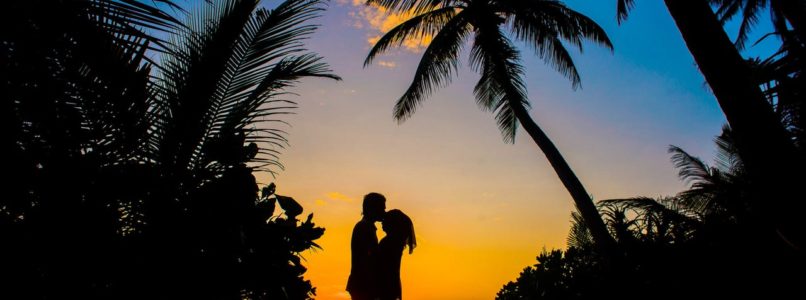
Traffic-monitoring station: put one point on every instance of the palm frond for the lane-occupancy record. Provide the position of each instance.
(781, 12)
(623, 8)
(583, 26)
(690, 169)
(579, 236)
(750, 17)
(192, 76)
(282, 75)
(786, 11)
(410, 6)
(417, 27)
(554, 18)
(650, 205)
(713, 190)
(547, 46)
(726, 9)
(226, 73)
(660, 220)
(258, 78)
(545, 24)
(501, 85)
(623, 228)
(437, 66)
(727, 155)
(124, 19)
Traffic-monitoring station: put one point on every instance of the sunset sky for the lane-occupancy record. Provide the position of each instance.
(483, 209)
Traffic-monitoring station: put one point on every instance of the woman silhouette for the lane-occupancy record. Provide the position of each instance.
(399, 234)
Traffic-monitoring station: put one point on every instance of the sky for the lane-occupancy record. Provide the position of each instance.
(484, 209)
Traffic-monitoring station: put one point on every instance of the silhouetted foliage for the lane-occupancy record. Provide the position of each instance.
(570, 274)
(783, 80)
(703, 241)
(132, 179)
(783, 14)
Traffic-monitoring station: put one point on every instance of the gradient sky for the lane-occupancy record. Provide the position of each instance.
(484, 209)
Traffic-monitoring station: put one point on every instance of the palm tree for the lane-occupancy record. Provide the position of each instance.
(542, 24)
(762, 141)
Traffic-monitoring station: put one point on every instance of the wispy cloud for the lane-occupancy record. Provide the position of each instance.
(332, 198)
(336, 196)
(377, 21)
(387, 64)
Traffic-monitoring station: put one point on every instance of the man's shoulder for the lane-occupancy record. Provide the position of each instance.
(364, 225)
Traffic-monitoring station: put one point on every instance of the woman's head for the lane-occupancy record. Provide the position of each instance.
(398, 225)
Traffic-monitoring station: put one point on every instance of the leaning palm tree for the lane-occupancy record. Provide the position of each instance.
(542, 24)
(762, 141)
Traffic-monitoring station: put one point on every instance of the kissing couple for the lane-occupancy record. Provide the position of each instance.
(375, 271)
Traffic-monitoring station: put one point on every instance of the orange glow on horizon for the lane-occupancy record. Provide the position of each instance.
(474, 252)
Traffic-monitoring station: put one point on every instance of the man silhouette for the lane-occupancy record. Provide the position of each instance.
(361, 284)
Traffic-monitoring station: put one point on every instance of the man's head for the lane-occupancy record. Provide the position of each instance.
(374, 206)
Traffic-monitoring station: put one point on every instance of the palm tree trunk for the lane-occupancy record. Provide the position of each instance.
(763, 143)
(582, 199)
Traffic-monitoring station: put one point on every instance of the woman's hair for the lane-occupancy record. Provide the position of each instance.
(402, 224)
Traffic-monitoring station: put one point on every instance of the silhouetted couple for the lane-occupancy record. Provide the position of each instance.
(375, 272)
